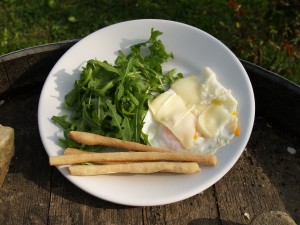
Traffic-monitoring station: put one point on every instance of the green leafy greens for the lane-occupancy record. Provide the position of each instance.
(112, 100)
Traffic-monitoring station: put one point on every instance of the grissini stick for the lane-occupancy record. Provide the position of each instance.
(71, 151)
(96, 139)
(209, 160)
(137, 168)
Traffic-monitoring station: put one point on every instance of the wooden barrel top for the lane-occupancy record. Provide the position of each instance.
(265, 178)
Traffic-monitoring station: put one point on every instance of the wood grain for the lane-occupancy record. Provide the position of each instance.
(265, 178)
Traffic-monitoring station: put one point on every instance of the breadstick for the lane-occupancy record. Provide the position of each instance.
(209, 160)
(138, 168)
(70, 151)
(96, 139)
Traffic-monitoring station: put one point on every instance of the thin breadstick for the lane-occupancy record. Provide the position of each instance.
(70, 151)
(96, 139)
(137, 168)
(209, 160)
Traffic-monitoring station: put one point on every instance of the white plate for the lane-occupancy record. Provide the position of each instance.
(193, 49)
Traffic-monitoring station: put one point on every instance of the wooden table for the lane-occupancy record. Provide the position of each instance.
(265, 178)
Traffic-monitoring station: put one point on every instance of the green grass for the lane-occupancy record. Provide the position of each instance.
(266, 33)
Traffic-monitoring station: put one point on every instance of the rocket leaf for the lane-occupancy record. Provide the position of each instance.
(112, 100)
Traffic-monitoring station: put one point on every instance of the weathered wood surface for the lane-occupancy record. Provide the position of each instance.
(265, 178)
(25, 69)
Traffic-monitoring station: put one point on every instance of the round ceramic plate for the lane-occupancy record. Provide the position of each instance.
(193, 49)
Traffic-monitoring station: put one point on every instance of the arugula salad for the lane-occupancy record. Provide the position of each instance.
(112, 100)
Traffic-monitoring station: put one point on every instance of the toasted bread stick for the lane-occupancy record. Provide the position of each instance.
(71, 151)
(137, 168)
(209, 160)
(96, 139)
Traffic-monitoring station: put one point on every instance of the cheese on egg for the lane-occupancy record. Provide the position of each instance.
(212, 120)
(198, 111)
(170, 110)
(158, 102)
(189, 89)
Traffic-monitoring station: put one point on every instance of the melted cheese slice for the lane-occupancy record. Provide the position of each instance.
(213, 120)
(189, 88)
(159, 101)
(170, 110)
(195, 104)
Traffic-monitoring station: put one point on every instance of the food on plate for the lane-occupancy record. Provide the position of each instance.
(70, 151)
(128, 162)
(197, 114)
(164, 121)
(208, 160)
(111, 100)
(140, 168)
(96, 139)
